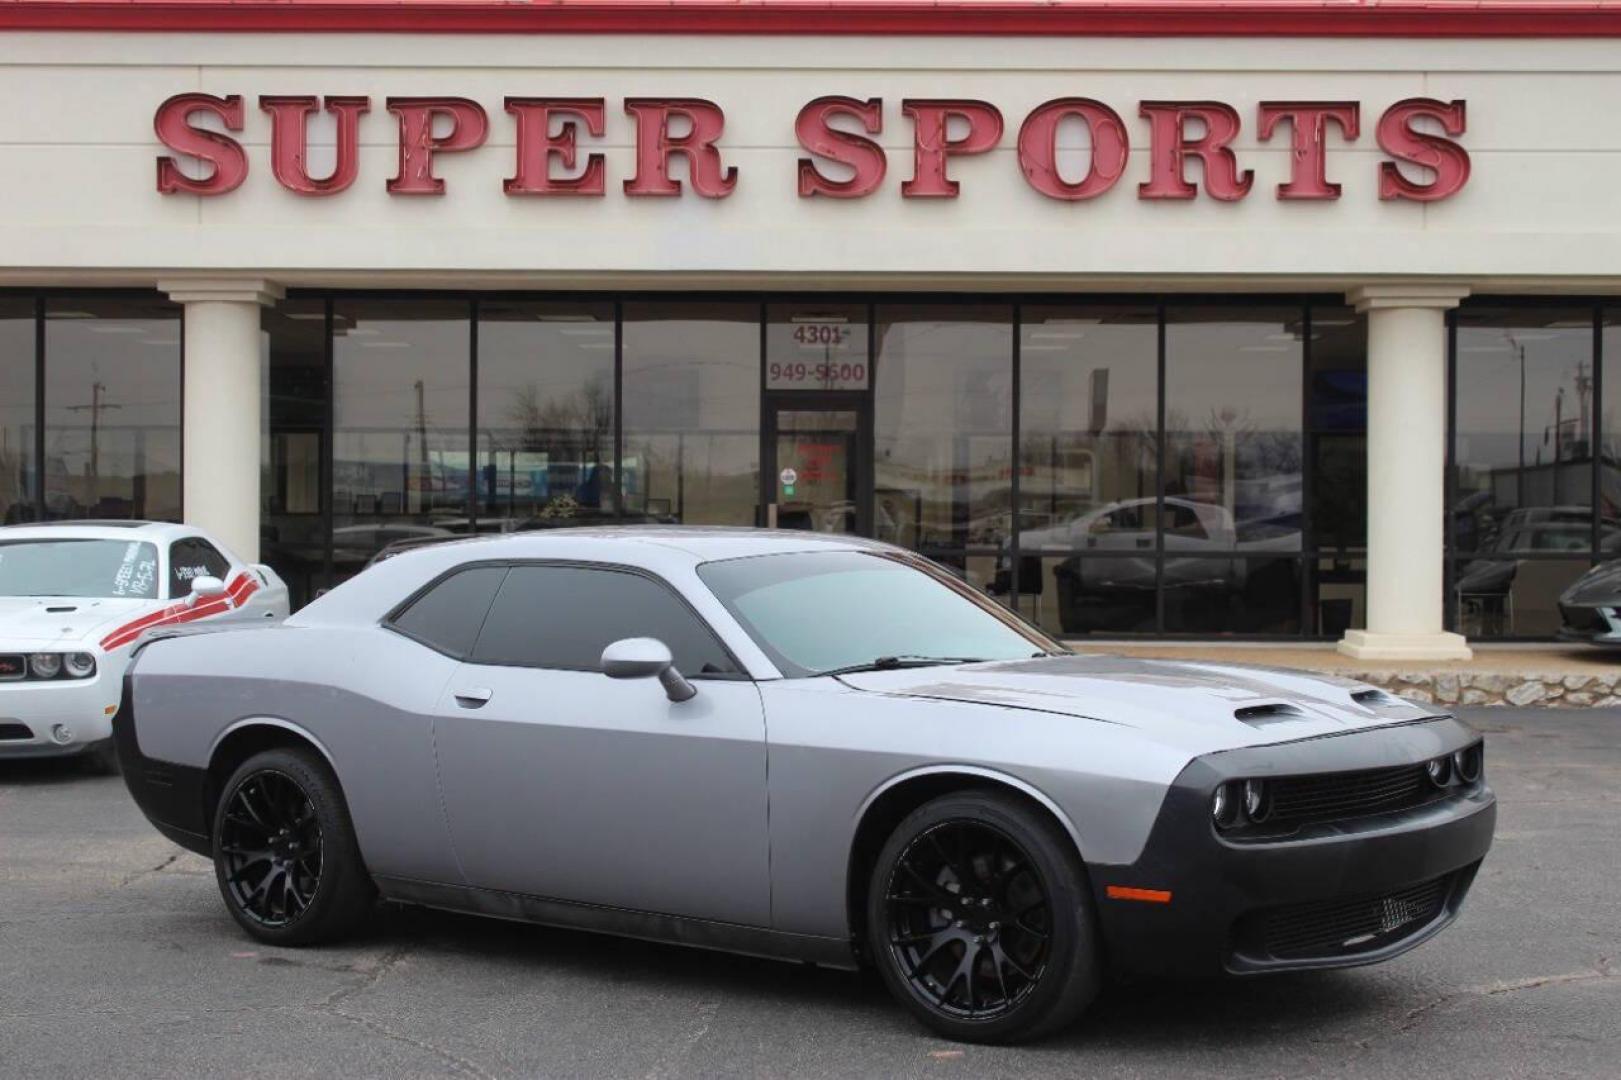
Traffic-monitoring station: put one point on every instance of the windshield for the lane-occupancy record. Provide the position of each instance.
(820, 612)
(81, 568)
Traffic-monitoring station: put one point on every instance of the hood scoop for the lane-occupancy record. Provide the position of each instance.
(61, 609)
(1377, 699)
(1273, 712)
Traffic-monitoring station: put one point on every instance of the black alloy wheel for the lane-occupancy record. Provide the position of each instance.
(969, 919)
(285, 854)
(980, 921)
(271, 845)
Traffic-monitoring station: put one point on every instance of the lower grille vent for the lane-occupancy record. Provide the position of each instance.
(1332, 928)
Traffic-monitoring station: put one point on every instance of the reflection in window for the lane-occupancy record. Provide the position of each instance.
(1337, 419)
(17, 421)
(400, 464)
(1524, 400)
(296, 381)
(692, 413)
(1089, 447)
(943, 420)
(545, 415)
(112, 408)
(1609, 488)
(1233, 425)
(1512, 597)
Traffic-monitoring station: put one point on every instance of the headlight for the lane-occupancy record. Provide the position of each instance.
(79, 665)
(1255, 802)
(1439, 770)
(1467, 763)
(1224, 807)
(45, 665)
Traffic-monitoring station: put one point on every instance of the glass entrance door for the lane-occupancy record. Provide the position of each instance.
(816, 472)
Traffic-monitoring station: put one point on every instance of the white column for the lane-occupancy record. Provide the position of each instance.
(222, 406)
(1407, 411)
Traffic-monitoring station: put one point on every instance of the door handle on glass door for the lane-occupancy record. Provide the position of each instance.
(474, 697)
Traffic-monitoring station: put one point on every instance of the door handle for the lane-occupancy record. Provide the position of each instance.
(474, 697)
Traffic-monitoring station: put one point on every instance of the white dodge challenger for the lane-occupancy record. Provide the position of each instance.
(75, 596)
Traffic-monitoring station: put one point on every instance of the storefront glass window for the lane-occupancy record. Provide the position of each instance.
(1523, 444)
(1522, 512)
(692, 413)
(17, 421)
(545, 415)
(401, 462)
(112, 408)
(296, 385)
(1233, 428)
(1609, 456)
(1088, 468)
(943, 428)
(1337, 457)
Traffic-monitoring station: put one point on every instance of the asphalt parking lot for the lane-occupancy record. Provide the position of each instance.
(117, 959)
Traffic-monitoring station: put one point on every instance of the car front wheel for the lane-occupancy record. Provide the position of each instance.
(980, 921)
(285, 853)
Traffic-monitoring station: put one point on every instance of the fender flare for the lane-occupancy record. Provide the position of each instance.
(981, 772)
(270, 721)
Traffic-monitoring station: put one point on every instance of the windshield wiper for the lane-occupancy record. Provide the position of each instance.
(891, 663)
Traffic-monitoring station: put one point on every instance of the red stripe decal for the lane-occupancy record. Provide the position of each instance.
(242, 586)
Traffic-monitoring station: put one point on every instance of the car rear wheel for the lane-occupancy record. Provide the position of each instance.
(980, 921)
(285, 853)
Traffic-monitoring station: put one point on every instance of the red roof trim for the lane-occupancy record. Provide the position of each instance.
(1149, 18)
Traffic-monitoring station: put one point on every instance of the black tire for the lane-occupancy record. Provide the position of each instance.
(101, 759)
(285, 854)
(1026, 916)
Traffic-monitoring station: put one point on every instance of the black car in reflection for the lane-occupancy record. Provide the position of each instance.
(1590, 610)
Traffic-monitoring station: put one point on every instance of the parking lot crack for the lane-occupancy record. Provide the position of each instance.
(158, 869)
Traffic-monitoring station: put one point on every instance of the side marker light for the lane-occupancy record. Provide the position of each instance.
(1151, 896)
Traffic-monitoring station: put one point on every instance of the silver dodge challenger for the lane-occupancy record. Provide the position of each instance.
(798, 746)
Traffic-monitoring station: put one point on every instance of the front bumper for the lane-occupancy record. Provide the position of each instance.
(1596, 624)
(31, 711)
(1407, 870)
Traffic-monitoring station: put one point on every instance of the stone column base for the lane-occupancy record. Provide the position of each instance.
(1374, 646)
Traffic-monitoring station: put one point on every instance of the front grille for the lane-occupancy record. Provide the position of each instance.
(13, 667)
(1299, 800)
(13, 732)
(1331, 928)
(1586, 620)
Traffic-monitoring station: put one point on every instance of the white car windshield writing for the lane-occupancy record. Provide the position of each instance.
(81, 568)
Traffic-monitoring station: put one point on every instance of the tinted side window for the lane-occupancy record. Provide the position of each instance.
(448, 616)
(190, 559)
(564, 616)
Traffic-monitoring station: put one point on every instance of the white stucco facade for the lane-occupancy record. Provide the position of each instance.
(1540, 213)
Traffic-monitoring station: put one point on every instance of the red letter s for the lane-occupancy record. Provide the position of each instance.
(1445, 158)
(225, 154)
(863, 155)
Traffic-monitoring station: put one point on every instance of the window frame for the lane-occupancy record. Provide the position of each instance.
(739, 674)
(175, 591)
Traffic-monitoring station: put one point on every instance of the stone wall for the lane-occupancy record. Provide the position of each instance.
(1548, 690)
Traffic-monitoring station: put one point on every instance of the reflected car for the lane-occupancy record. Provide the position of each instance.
(75, 600)
(574, 728)
(1111, 572)
(1590, 610)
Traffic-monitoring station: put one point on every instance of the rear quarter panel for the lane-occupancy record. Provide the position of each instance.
(364, 695)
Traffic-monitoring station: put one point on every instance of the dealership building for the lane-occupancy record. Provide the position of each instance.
(1282, 319)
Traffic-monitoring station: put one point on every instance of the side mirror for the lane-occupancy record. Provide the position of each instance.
(646, 658)
(204, 588)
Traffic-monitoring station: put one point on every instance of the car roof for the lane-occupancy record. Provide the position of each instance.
(667, 550)
(155, 531)
(699, 543)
